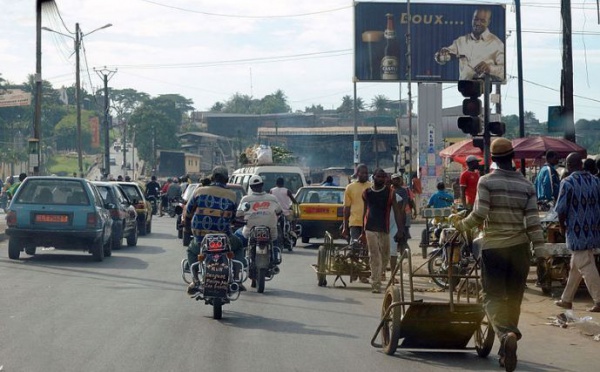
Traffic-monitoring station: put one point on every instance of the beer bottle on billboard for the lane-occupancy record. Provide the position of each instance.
(390, 61)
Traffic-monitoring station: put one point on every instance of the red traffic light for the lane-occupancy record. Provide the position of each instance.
(470, 88)
(470, 125)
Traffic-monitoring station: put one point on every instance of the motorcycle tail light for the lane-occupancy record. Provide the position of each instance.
(230, 255)
(201, 257)
(11, 219)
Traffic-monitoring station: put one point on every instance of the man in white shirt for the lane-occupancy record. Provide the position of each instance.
(480, 52)
(258, 209)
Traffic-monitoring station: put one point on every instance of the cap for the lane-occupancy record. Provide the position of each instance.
(255, 180)
(220, 170)
(501, 147)
(473, 158)
(396, 175)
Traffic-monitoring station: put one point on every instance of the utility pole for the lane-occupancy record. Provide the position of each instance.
(566, 91)
(520, 78)
(409, 82)
(78, 97)
(105, 74)
(37, 117)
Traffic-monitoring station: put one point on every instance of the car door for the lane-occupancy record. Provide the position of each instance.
(103, 213)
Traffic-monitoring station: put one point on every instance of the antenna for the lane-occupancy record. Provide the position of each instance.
(251, 88)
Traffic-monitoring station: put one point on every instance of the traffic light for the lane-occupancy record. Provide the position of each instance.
(471, 106)
(497, 128)
(478, 142)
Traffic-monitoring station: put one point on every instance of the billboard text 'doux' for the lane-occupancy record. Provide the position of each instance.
(449, 42)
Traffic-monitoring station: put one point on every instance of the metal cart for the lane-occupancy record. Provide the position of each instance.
(346, 259)
(420, 324)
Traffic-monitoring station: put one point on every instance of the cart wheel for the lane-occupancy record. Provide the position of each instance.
(390, 333)
(322, 266)
(484, 338)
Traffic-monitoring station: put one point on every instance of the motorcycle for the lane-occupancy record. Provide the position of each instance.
(154, 202)
(263, 257)
(217, 283)
(454, 254)
(172, 207)
(288, 232)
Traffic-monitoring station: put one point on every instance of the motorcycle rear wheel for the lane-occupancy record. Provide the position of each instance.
(217, 308)
(262, 274)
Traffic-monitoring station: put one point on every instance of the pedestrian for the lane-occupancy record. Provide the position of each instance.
(329, 182)
(354, 205)
(417, 189)
(589, 165)
(404, 202)
(547, 181)
(507, 203)
(378, 200)
(468, 182)
(578, 209)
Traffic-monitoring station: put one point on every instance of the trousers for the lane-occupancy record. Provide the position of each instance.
(504, 275)
(378, 244)
(583, 266)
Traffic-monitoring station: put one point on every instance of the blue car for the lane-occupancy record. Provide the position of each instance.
(59, 212)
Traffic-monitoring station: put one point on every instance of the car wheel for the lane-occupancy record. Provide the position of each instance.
(108, 248)
(132, 238)
(98, 250)
(30, 251)
(14, 248)
(117, 238)
(143, 228)
(305, 240)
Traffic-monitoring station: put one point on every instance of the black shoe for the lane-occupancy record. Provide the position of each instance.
(510, 352)
(193, 289)
(253, 284)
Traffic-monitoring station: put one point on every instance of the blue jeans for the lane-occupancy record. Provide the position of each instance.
(244, 241)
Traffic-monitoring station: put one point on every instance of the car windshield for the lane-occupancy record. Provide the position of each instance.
(291, 181)
(321, 196)
(53, 191)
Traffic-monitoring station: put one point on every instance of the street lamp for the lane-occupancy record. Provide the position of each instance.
(78, 38)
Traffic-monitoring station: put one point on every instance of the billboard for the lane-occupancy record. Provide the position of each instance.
(14, 97)
(449, 42)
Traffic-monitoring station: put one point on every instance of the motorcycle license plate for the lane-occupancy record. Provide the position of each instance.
(262, 250)
(216, 276)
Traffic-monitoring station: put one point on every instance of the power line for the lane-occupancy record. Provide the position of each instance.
(246, 16)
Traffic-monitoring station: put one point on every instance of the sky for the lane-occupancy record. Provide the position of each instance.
(209, 50)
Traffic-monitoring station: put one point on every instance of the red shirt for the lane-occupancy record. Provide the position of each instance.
(469, 180)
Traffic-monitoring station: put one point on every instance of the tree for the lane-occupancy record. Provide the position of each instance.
(346, 109)
(318, 109)
(217, 107)
(379, 104)
(156, 121)
(274, 103)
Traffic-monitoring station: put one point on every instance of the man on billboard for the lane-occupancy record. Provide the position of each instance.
(479, 52)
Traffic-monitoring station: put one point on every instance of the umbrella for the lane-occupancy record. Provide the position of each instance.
(461, 149)
(536, 147)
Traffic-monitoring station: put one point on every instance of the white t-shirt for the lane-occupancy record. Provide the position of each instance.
(281, 193)
(263, 212)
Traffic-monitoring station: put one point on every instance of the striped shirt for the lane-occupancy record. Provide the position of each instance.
(506, 205)
(579, 201)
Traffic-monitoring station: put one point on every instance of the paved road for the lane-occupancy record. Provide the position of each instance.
(60, 311)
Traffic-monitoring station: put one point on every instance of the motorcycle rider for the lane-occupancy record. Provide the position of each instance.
(13, 189)
(211, 210)
(153, 190)
(258, 209)
(164, 200)
(286, 199)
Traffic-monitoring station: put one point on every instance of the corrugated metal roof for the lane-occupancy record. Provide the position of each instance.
(322, 131)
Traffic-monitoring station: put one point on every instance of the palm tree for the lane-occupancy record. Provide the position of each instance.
(379, 104)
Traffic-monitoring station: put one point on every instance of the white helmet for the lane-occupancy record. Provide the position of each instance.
(255, 180)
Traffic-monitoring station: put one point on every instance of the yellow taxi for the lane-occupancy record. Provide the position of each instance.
(321, 208)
